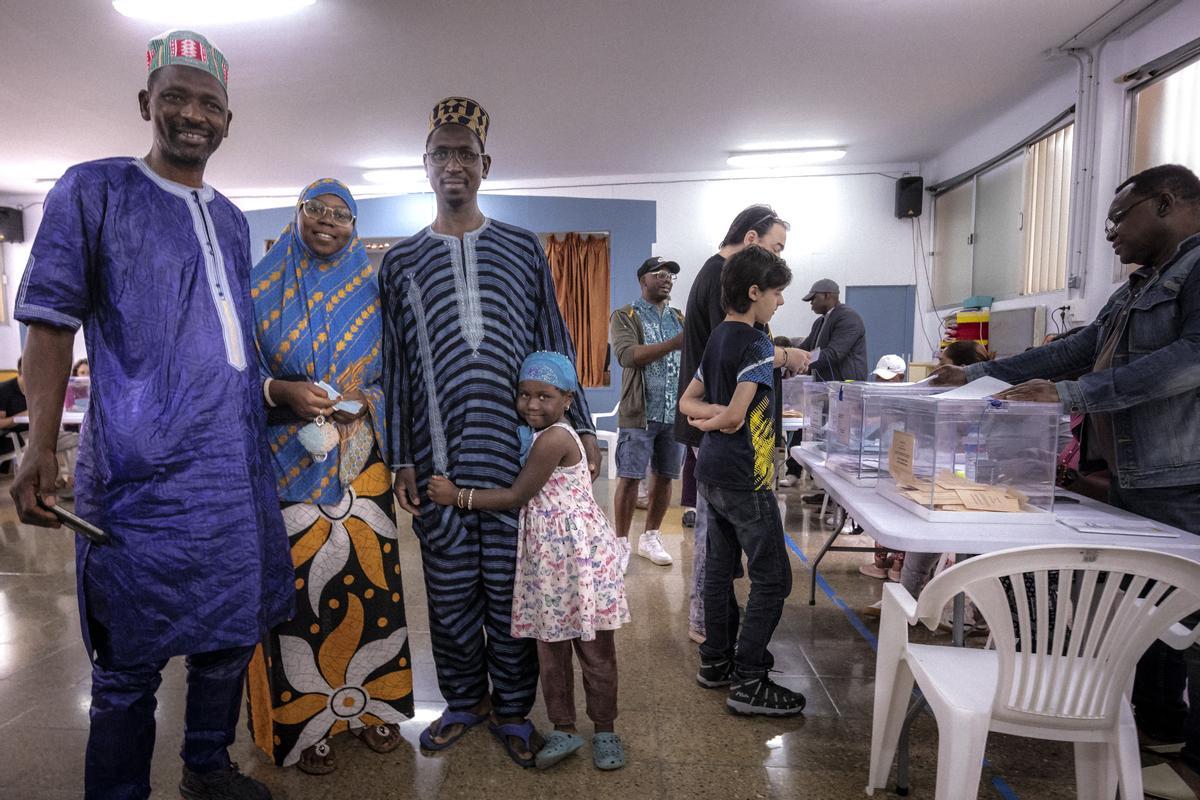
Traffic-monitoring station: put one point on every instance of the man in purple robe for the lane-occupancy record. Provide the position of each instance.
(173, 461)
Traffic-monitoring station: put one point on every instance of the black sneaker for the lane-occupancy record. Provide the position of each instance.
(689, 518)
(221, 784)
(762, 695)
(715, 674)
(813, 499)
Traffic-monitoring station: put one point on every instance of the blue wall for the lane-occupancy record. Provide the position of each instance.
(629, 223)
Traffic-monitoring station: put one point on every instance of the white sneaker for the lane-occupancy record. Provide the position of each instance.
(650, 546)
(626, 550)
(788, 481)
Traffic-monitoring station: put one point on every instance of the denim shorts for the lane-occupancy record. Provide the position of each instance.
(653, 446)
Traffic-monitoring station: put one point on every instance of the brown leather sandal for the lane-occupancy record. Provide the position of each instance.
(380, 738)
(317, 759)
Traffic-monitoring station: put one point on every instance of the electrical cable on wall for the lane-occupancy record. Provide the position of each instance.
(919, 250)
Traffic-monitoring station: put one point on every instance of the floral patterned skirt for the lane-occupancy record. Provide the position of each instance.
(342, 661)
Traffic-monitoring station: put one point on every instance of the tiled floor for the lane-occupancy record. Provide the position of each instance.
(680, 740)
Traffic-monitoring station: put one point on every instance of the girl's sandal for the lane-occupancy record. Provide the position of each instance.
(317, 759)
(559, 745)
(380, 738)
(607, 751)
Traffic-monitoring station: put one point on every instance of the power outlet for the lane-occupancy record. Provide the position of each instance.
(1072, 314)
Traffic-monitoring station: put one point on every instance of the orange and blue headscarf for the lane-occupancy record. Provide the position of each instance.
(317, 318)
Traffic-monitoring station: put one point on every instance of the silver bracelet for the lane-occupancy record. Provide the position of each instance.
(267, 393)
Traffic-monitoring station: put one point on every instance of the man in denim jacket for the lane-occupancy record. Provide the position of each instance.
(1141, 396)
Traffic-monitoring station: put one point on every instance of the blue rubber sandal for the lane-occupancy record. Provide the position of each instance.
(559, 745)
(519, 730)
(607, 751)
(466, 719)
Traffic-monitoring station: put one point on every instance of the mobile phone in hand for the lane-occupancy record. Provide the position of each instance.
(77, 524)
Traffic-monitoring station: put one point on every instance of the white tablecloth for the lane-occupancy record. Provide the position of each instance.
(895, 528)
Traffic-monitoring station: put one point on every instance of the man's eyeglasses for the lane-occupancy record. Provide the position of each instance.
(662, 275)
(317, 211)
(464, 155)
(1114, 220)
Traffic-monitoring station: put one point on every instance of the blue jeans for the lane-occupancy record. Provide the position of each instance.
(653, 446)
(121, 741)
(743, 521)
(1164, 673)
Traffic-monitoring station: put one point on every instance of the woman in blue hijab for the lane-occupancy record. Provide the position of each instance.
(342, 662)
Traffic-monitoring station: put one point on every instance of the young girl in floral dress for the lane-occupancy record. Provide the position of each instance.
(568, 592)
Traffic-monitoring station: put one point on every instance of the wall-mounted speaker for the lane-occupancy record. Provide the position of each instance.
(12, 225)
(909, 194)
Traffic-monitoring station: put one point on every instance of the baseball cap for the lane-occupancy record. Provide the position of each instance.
(890, 366)
(656, 263)
(823, 285)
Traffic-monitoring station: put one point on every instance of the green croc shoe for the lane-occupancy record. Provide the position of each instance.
(607, 751)
(559, 745)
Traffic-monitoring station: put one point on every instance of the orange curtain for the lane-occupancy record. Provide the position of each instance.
(580, 266)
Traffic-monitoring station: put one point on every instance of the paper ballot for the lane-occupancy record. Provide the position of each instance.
(349, 406)
(976, 389)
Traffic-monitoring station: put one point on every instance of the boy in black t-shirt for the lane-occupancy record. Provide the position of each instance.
(732, 400)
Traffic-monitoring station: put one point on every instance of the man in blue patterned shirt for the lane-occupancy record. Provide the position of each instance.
(646, 338)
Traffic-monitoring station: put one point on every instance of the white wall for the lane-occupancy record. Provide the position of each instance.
(1008, 126)
(843, 226)
(15, 257)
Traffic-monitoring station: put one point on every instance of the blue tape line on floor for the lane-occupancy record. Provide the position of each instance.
(1002, 788)
(855, 620)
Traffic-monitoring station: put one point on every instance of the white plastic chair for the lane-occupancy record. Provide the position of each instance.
(1069, 682)
(15, 455)
(609, 438)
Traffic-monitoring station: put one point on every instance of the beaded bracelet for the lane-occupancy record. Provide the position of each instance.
(470, 499)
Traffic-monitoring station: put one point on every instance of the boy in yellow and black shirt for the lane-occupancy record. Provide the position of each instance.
(731, 399)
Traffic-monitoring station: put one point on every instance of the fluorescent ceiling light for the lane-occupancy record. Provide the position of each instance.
(391, 162)
(795, 144)
(208, 12)
(768, 159)
(394, 175)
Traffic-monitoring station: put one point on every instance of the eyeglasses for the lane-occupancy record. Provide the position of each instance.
(464, 155)
(662, 275)
(317, 211)
(1114, 220)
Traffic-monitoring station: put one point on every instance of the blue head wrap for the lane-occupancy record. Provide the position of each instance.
(547, 367)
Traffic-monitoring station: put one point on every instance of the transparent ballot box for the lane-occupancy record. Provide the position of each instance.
(969, 460)
(852, 435)
(793, 395)
(78, 393)
(814, 405)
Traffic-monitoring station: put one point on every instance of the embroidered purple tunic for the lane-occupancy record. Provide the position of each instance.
(173, 460)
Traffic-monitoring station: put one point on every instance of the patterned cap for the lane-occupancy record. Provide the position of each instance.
(460, 111)
(187, 49)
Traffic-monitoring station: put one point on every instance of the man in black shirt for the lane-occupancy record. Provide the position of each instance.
(12, 402)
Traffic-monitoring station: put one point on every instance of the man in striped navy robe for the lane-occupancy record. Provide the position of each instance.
(465, 301)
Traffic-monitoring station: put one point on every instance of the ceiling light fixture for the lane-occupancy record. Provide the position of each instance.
(771, 159)
(210, 12)
(394, 175)
(392, 162)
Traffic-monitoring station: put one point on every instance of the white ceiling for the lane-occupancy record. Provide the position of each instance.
(574, 87)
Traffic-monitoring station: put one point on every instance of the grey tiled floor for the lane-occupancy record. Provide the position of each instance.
(681, 742)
